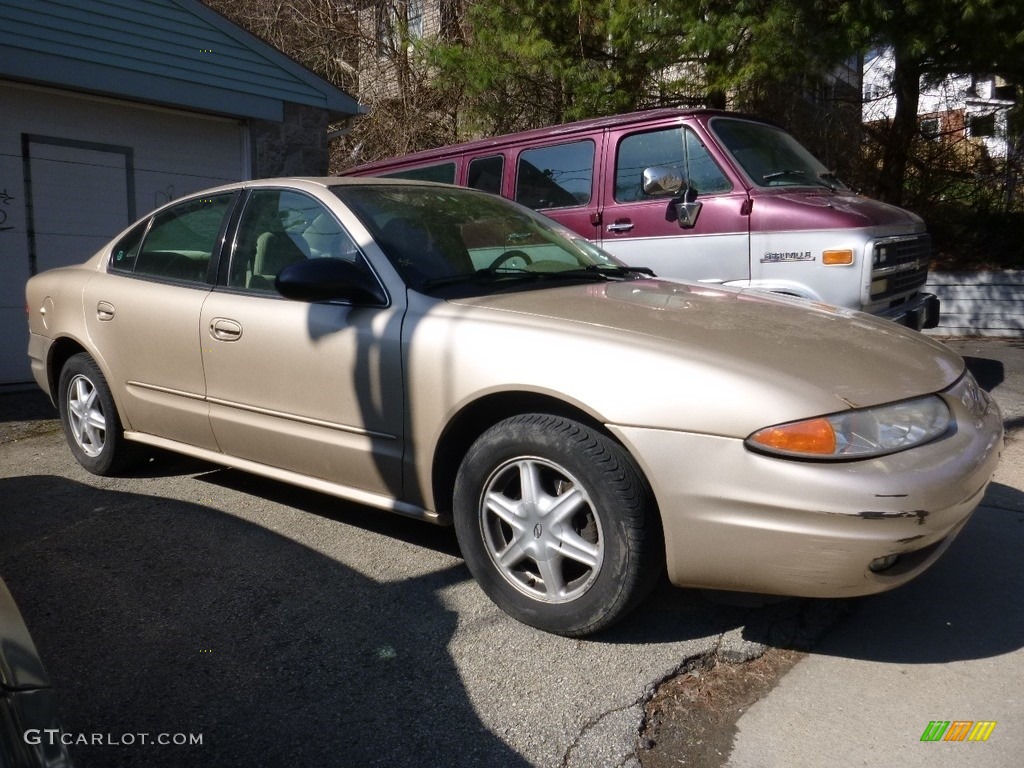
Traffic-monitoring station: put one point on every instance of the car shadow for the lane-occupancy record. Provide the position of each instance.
(157, 616)
(669, 614)
(966, 606)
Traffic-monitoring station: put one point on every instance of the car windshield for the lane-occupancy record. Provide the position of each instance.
(771, 157)
(437, 236)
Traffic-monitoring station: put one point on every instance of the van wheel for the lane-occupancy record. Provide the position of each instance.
(90, 421)
(556, 524)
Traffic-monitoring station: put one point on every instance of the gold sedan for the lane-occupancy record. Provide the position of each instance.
(446, 354)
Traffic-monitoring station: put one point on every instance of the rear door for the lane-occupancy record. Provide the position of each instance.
(643, 231)
(143, 315)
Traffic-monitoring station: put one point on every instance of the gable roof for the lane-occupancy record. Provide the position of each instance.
(171, 52)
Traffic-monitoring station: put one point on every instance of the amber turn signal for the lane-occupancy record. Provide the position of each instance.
(833, 258)
(807, 437)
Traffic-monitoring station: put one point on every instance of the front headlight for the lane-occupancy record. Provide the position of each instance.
(857, 434)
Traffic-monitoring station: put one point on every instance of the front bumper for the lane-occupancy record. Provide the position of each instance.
(736, 520)
(920, 312)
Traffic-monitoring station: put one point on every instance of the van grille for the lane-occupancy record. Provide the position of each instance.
(900, 265)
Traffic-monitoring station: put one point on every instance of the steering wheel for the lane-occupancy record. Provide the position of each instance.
(508, 256)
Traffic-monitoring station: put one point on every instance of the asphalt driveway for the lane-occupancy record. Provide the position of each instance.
(283, 627)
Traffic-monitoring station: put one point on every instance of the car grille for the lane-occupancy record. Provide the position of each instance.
(900, 265)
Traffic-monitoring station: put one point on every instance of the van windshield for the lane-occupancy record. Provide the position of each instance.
(437, 236)
(770, 156)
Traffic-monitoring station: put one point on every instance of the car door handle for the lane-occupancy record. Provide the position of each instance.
(105, 311)
(223, 329)
(620, 226)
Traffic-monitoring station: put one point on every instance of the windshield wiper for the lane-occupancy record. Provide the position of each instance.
(620, 271)
(799, 174)
(480, 275)
(488, 274)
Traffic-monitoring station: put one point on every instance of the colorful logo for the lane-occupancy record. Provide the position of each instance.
(958, 730)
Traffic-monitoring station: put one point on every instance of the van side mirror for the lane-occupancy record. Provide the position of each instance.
(662, 180)
(687, 208)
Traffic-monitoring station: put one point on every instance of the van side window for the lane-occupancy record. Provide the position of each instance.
(443, 173)
(677, 148)
(556, 177)
(485, 174)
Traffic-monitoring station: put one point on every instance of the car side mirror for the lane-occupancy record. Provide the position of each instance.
(329, 280)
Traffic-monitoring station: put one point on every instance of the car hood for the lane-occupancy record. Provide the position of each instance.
(815, 357)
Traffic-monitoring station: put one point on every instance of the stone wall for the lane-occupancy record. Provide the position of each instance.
(295, 147)
(979, 303)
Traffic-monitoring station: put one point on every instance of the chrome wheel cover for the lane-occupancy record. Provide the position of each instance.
(541, 530)
(85, 416)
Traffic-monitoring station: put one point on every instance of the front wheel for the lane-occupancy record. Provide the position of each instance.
(556, 524)
(89, 417)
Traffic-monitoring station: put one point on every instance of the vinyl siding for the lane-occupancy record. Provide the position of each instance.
(176, 52)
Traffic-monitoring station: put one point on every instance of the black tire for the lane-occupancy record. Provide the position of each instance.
(91, 424)
(586, 546)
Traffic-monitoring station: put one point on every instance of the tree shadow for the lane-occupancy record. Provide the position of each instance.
(158, 616)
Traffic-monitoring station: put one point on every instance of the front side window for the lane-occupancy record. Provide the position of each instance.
(677, 148)
(278, 228)
(180, 241)
(443, 173)
(555, 177)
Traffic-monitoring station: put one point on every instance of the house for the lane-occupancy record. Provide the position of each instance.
(958, 107)
(109, 108)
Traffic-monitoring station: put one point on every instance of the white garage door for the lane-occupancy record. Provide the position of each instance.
(76, 170)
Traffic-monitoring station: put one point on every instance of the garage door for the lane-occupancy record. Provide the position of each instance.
(75, 170)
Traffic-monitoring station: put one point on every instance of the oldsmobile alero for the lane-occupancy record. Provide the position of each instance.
(449, 355)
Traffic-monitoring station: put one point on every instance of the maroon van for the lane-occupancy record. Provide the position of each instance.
(706, 196)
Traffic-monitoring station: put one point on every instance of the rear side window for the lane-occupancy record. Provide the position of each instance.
(443, 173)
(556, 177)
(181, 240)
(677, 148)
(485, 174)
(122, 257)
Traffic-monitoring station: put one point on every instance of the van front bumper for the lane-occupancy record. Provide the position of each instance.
(918, 313)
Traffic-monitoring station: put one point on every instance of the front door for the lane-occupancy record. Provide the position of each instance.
(643, 231)
(314, 388)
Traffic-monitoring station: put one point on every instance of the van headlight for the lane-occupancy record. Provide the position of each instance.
(857, 434)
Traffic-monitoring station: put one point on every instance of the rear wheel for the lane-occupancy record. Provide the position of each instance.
(556, 524)
(89, 417)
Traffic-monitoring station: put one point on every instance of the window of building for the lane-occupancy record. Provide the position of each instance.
(982, 126)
